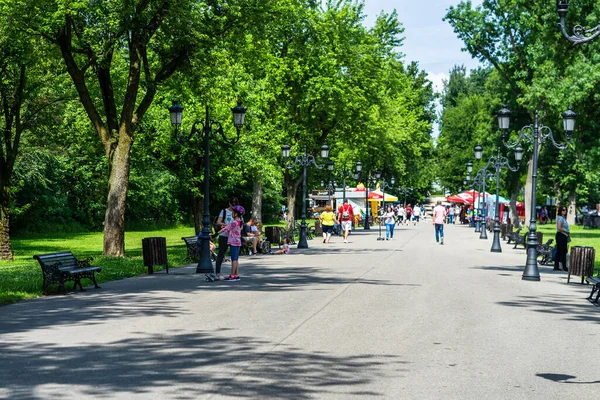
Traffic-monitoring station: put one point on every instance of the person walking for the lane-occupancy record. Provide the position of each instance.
(416, 214)
(346, 215)
(451, 215)
(389, 223)
(234, 240)
(400, 214)
(439, 217)
(409, 212)
(328, 219)
(225, 218)
(563, 237)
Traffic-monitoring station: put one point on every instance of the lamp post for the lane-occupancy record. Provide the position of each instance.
(537, 134)
(331, 185)
(482, 175)
(368, 177)
(208, 129)
(354, 175)
(304, 160)
(580, 34)
(476, 220)
(383, 184)
(498, 162)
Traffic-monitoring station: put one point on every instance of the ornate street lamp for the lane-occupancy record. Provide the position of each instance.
(498, 162)
(304, 160)
(536, 134)
(383, 184)
(580, 33)
(483, 174)
(353, 175)
(207, 129)
(368, 177)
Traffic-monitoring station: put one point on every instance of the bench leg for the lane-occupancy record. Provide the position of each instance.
(597, 296)
(77, 282)
(594, 289)
(62, 286)
(93, 278)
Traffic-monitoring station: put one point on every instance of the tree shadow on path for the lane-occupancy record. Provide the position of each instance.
(159, 295)
(186, 366)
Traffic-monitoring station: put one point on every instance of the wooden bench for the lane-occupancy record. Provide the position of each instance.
(545, 252)
(58, 268)
(193, 249)
(595, 282)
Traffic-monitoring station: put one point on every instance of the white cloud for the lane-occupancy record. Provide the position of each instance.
(437, 80)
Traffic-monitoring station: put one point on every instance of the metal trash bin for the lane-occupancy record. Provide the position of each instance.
(154, 250)
(581, 262)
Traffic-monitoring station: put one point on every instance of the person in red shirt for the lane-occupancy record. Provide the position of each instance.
(409, 214)
(346, 216)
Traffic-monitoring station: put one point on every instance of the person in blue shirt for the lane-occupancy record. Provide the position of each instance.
(563, 237)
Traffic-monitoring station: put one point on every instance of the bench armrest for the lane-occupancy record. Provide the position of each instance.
(84, 263)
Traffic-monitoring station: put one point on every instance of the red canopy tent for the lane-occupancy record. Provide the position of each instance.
(464, 197)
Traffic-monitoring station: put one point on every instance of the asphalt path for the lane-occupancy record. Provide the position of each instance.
(401, 319)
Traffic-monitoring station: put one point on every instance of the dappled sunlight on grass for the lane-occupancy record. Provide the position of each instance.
(22, 278)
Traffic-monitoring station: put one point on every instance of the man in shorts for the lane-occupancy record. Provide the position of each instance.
(251, 235)
(346, 216)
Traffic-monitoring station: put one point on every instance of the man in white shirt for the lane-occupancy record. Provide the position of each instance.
(400, 214)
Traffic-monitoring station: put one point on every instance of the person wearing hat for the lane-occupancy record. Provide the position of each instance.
(225, 218)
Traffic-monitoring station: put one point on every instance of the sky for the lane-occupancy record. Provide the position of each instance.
(428, 39)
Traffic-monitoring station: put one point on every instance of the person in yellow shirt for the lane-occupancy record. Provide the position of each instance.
(328, 219)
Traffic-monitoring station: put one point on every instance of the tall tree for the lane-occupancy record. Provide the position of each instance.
(29, 93)
(118, 54)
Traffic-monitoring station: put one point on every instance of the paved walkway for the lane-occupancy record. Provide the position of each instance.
(406, 319)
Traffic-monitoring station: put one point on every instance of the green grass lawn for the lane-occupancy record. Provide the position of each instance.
(22, 278)
(579, 237)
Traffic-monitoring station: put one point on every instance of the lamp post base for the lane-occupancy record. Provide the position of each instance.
(205, 265)
(496, 248)
(302, 242)
(483, 234)
(531, 272)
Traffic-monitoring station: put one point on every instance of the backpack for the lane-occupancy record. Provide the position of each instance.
(345, 212)
(265, 247)
(219, 226)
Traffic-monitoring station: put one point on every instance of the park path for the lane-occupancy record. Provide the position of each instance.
(401, 319)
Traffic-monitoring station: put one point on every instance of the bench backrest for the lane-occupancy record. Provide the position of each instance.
(66, 259)
(190, 240)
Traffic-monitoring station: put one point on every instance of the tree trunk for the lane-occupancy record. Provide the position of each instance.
(114, 220)
(572, 208)
(291, 204)
(257, 194)
(198, 210)
(528, 191)
(513, 210)
(5, 244)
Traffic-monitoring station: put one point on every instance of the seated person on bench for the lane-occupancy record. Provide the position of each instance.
(250, 235)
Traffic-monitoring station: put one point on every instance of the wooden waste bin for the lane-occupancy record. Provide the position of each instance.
(154, 250)
(581, 262)
(273, 235)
